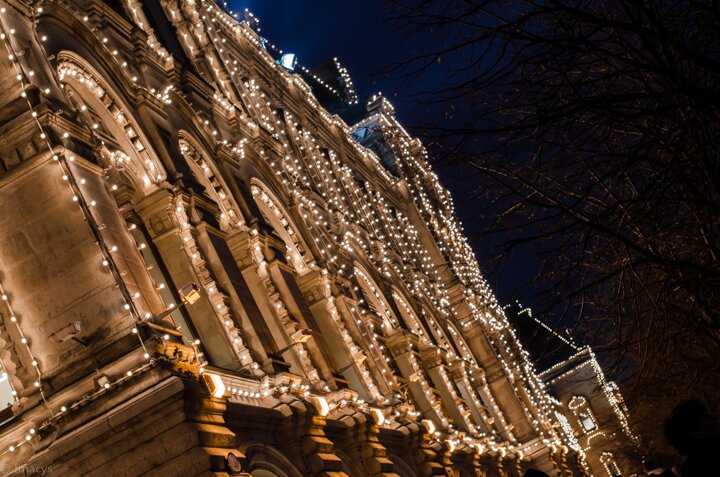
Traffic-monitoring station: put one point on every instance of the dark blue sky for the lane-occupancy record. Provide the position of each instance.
(360, 35)
(356, 32)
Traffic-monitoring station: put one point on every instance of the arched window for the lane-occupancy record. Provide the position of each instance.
(376, 301)
(608, 461)
(409, 317)
(581, 409)
(275, 215)
(124, 145)
(207, 174)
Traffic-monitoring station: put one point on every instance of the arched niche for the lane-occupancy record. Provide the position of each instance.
(276, 215)
(123, 144)
(207, 174)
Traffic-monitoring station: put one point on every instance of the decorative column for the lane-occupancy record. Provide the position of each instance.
(443, 452)
(402, 346)
(484, 465)
(583, 465)
(498, 382)
(473, 462)
(258, 257)
(559, 460)
(497, 460)
(518, 462)
(318, 289)
(281, 277)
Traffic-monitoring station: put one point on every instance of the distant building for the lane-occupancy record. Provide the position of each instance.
(596, 411)
(205, 272)
(593, 406)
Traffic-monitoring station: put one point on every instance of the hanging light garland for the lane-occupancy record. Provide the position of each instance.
(305, 169)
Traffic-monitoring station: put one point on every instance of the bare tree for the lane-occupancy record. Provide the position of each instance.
(594, 130)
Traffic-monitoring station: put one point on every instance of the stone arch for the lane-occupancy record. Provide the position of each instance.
(275, 214)
(408, 368)
(264, 461)
(400, 467)
(207, 173)
(123, 143)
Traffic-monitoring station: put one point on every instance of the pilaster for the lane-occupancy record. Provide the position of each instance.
(156, 212)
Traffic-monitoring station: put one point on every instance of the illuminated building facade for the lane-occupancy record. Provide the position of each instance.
(204, 272)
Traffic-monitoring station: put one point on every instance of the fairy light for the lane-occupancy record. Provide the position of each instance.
(346, 204)
(583, 358)
(63, 158)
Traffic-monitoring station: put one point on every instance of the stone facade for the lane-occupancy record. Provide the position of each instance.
(204, 272)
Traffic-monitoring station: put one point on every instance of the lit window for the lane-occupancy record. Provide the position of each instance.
(581, 408)
(587, 421)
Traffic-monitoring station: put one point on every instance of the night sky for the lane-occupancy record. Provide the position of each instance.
(354, 32)
(361, 36)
